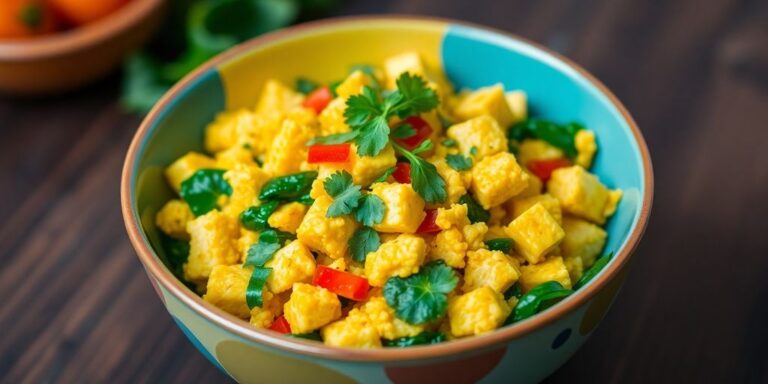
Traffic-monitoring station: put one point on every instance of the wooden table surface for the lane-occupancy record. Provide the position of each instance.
(75, 305)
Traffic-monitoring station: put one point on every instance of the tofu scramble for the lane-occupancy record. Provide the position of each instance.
(386, 210)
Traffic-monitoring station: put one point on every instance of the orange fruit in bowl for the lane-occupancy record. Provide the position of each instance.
(25, 18)
(81, 12)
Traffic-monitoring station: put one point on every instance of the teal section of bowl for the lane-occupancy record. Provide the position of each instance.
(179, 128)
(193, 339)
(474, 58)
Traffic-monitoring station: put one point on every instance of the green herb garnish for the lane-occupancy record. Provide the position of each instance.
(384, 176)
(423, 338)
(261, 252)
(503, 244)
(336, 138)
(346, 195)
(288, 187)
(272, 235)
(364, 241)
(449, 143)
(305, 85)
(475, 211)
(201, 191)
(31, 16)
(538, 299)
(255, 218)
(458, 162)
(422, 297)
(514, 291)
(255, 290)
(473, 151)
(370, 211)
(590, 273)
(308, 336)
(424, 177)
(562, 136)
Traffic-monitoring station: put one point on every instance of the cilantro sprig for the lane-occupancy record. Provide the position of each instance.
(424, 177)
(422, 297)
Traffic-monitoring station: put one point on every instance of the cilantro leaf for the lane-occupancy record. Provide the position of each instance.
(473, 150)
(288, 187)
(424, 146)
(422, 297)
(271, 235)
(403, 131)
(459, 162)
(346, 195)
(424, 177)
(449, 143)
(373, 136)
(417, 97)
(255, 218)
(370, 211)
(255, 291)
(364, 241)
(384, 176)
(202, 190)
(362, 107)
(336, 138)
(260, 252)
(503, 244)
(475, 211)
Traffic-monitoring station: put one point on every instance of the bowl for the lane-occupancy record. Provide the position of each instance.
(471, 56)
(66, 60)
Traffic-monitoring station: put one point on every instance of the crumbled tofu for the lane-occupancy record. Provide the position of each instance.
(213, 241)
(272, 307)
(489, 101)
(226, 289)
(241, 127)
(520, 205)
(404, 208)
(456, 183)
(246, 182)
(291, 264)
(238, 154)
(582, 240)
(354, 331)
(332, 117)
(482, 133)
(582, 194)
(382, 316)
(310, 308)
(173, 217)
(278, 97)
(552, 269)
(401, 257)
(490, 269)
(586, 146)
(535, 149)
(474, 235)
(328, 235)
(496, 179)
(289, 148)
(287, 217)
(518, 105)
(185, 166)
(449, 245)
(406, 62)
(244, 242)
(455, 216)
(535, 233)
(479, 311)
(575, 267)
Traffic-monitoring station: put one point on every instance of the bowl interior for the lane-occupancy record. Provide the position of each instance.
(470, 57)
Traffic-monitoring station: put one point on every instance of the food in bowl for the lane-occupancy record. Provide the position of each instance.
(386, 210)
(29, 18)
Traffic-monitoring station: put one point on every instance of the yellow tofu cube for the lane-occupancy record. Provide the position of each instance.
(449, 245)
(332, 117)
(213, 241)
(354, 331)
(366, 169)
(353, 84)
(535, 186)
(552, 269)
(482, 133)
(453, 217)
(272, 307)
(311, 307)
(520, 205)
(400, 257)
(518, 105)
(173, 217)
(586, 146)
(496, 179)
(583, 240)
(404, 208)
(575, 267)
(479, 311)
(238, 154)
(456, 183)
(489, 101)
(582, 194)
(246, 182)
(474, 235)
(328, 235)
(535, 149)
(287, 217)
(382, 316)
(278, 97)
(491, 269)
(535, 233)
(405, 62)
(185, 166)
(226, 289)
(291, 264)
(289, 148)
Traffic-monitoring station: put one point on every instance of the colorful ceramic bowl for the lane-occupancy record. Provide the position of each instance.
(66, 60)
(472, 57)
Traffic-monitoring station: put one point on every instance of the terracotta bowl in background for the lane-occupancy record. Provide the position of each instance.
(65, 60)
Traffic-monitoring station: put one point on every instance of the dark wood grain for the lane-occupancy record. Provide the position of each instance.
(76, 306)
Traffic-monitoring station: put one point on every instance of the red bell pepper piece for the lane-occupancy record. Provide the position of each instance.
(428, 225)
(328, 153)
(342, 283)
(402, 173)
(543, 168)
(281, 325)
(423, 130)
(318, 99)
